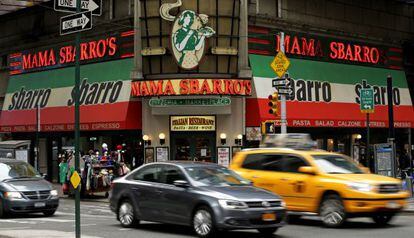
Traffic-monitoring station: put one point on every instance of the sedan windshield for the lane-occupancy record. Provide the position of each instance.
(336, 164)
(16, 170)
(216, 176)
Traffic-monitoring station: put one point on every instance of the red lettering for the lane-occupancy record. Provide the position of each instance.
(84, 51)
(287, 42)
(341, 51)
(205, 87)
(27, 61)
(73, 54)
(184, 86)
(52, 59)
(156, 88)
(349, 55)
(295, 47)
(238, 87)
(144, 89)
(43, 58)
(228, 89)
(357, 50)
(374, 55)
(365, 49)
(92, 52)
(308, 48)
(334, 51)
(135, 88)
(194, 86)
(217, 88)
(34, 61)
(62, 55)
(112, 46)
(318, 50)
(169, 89)
(248, 87)
(101, 48)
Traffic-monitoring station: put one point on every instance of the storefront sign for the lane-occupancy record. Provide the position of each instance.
(223, 156)
(221, 101)
(266, 41)
(173, 87)
(95, 50)
(193, 123)
(188, 35)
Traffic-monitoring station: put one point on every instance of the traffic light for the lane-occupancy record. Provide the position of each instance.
(273, 104)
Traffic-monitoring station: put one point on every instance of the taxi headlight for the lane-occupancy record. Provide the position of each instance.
(231, 204)
(13, 195)
(362, 187)
(282, 203)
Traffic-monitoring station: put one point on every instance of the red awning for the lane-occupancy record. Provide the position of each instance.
(316, 114)
(116, 116)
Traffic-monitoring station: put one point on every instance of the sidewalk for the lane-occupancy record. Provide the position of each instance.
(96, 197)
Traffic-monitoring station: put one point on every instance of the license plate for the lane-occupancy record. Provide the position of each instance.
(40, 204)
(269, 217)
(393, 205)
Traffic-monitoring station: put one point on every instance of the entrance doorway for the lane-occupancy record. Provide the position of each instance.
(193, 146)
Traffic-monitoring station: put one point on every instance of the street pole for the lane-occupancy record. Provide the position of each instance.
(36, 163)
(77, 82)
(391, 135)
(283, 97)
(368, 154)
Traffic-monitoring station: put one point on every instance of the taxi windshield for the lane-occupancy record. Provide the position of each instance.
(215, 176)
(336, 164)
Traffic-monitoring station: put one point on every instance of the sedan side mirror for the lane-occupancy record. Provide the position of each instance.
(307, 170)
(181, 183)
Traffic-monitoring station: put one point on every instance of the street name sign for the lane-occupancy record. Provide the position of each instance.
(367, 100)
(280, 64)
(280, 82)
(285, 91)
(75, 23)
(94, 6)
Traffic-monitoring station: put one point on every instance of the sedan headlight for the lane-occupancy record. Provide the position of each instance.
(13, 195)
(54, 193)
(362, 187)
(231, 204)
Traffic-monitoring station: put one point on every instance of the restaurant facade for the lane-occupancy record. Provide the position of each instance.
(192, 81)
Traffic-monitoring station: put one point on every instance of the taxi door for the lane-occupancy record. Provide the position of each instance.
(300, 187)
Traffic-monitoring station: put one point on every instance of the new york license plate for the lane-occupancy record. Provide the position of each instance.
(269, 217)
(40, 204)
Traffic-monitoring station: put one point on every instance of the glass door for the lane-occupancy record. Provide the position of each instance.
(193, 146)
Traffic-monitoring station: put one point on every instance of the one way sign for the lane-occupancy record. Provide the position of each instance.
(75, 23)
(94, 6)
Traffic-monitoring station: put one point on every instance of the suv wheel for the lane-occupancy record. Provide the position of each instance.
(267, 232)
(203, 222)
(382, 219)
(126, 214)
(49, 213)
(332, 211)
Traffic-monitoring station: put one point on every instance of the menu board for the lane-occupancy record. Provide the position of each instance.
(384, 154)
(223, 156)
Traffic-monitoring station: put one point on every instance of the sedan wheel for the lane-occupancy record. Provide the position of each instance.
(203, 222)
(332, 211)
(126, 214)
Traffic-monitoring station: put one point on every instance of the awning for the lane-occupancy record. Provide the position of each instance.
(105, 99)
(327, 95)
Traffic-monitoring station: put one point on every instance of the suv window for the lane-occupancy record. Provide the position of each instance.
(292, 164)
(172, 173)
(149, 174)
(269, 162)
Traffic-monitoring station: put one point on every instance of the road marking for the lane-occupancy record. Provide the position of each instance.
(14, 228)
(102, 216)
(50, 220)
(17, 221)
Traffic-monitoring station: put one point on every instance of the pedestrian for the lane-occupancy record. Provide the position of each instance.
(404, 163)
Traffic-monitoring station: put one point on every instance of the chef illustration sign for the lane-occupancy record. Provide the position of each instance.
(188, 35)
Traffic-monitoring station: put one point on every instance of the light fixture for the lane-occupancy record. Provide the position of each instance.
(162, 138)
(224, 50)
(223, 137)
(358, 136)
(147, 51)
(238, 140)
(147, 140)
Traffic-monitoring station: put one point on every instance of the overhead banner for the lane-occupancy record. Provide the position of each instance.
(193, 123)
(329, 94)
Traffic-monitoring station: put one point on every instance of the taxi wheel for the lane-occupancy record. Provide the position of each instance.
(203, 222)
(382, 219)
(126, 214)
(332, 211)
(268, 232)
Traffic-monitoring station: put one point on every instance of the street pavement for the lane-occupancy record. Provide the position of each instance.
(98, 222)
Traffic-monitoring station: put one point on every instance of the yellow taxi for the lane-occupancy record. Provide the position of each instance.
(316, 182)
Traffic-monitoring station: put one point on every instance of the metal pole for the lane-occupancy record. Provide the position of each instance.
(77, 82)
(36, 162)
(283, 97)
(390, 107)
(368, 154)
